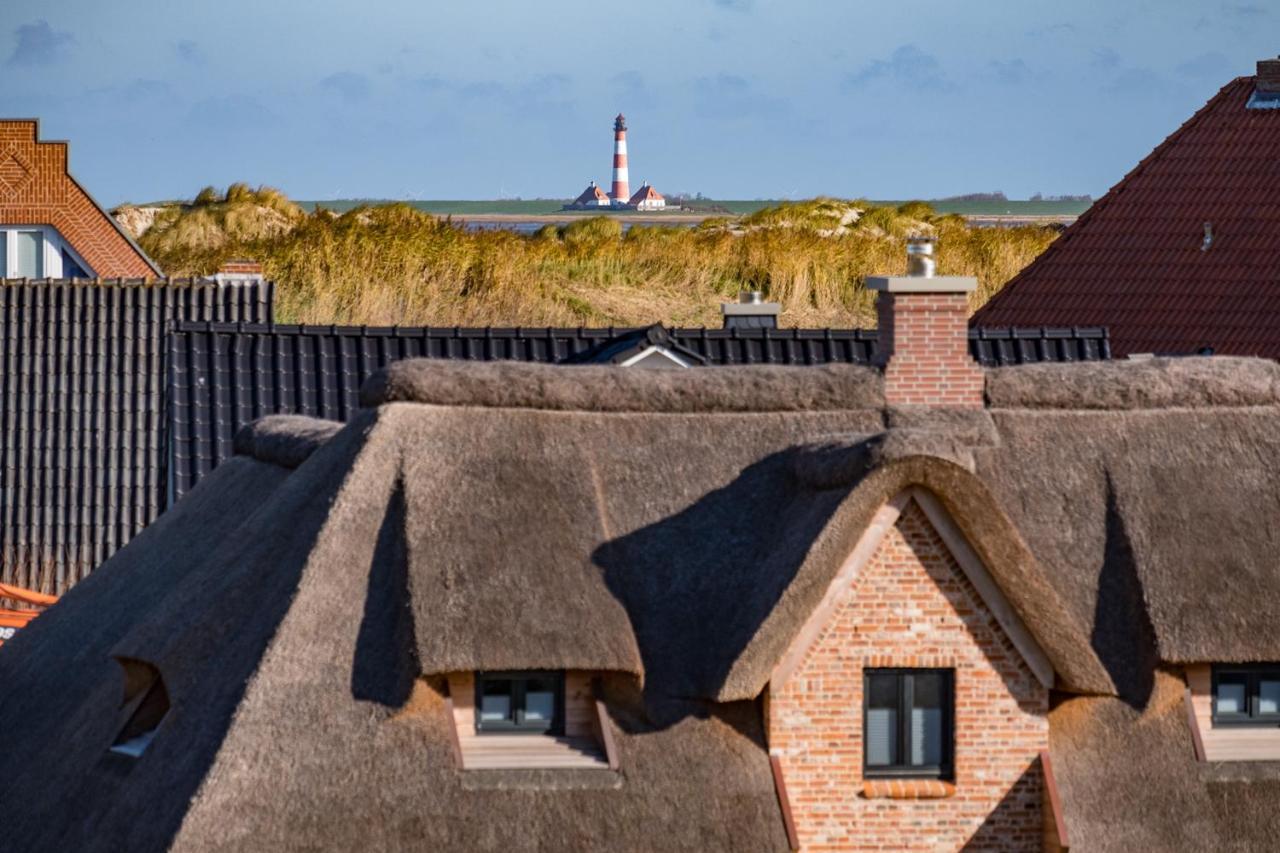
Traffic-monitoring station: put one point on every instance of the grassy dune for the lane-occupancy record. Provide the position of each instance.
(393, 264)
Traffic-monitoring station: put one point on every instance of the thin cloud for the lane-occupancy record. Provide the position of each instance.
(1140, 81)
(730, 96)
(347, 85)
(189, 51)
(1012, 72)
(629, 88)
(1105, 59)
(1053, 31)
(1205, 66)
(735, 5)
(38, 44)
(907, 66)
(1243, 10)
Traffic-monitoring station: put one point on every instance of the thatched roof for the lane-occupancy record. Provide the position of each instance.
(673, 530)
(1129, 779)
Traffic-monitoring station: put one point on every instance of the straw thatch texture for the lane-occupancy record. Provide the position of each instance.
(1139, 384)
(1129, 780)
(659, 534)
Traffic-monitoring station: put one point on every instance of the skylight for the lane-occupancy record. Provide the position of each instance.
(1261, 100)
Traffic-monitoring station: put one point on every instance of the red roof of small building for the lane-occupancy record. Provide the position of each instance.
(1137, 260)
(645, 193)
(591, 194)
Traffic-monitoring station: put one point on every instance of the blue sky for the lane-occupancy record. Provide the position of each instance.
(731, 98)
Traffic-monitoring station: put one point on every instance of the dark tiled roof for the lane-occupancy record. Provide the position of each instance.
(225, 375)
(1134, 261)
(83, 425)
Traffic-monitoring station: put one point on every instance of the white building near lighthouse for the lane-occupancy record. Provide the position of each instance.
(591, 197)
(647, 198)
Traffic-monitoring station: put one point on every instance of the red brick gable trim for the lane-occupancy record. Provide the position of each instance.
(36, 189)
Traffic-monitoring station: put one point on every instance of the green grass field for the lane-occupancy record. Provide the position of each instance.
(543, 207)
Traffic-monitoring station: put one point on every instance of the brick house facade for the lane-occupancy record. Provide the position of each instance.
(37, 191)
(911, 605)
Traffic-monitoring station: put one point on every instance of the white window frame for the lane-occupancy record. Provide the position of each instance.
(53, 245)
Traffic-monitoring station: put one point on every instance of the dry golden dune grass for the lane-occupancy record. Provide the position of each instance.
(394, 265)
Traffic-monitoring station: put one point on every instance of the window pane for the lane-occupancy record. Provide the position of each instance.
(926, 720)
(71, 269)
(1230, 698)
(539, 707)
(1268, 696)
(30, 255)
(495, 701)
(4, 254)
(882, 720)
(539, 700)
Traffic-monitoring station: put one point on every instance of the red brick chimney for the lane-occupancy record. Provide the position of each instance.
(1269, 75)
(924, 336)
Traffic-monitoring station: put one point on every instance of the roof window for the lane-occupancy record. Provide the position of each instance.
(908, 723)
(1261, 100)
(1246, 695)
(146, 702)
(530, 719)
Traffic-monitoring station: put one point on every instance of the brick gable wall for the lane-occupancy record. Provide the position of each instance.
(35, 189)
(910, 606)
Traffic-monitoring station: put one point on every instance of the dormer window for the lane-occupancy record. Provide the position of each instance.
(510, 702)
(530, 720)
(146, 702)
(1246, 695)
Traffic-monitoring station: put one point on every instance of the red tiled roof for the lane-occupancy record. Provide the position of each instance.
(590, 194)
(1133, 262)
(645, 193)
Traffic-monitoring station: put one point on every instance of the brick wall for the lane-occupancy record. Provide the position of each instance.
(35, 189)
(910, 606)
(924, 347)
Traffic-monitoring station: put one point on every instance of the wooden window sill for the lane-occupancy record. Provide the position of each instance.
(907, 789)
(530, 752)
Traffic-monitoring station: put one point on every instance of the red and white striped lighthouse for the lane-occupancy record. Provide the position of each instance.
(621, 186)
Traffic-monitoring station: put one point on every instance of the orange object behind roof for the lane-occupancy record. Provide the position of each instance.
(12, 620)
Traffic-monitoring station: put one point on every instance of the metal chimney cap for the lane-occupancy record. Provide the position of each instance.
(920, 263)
(751, 297)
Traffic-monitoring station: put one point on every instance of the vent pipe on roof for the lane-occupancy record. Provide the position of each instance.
(750, 312)
(1208, 237)
(920, 263)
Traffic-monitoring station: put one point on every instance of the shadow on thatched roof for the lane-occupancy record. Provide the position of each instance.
(671, 531)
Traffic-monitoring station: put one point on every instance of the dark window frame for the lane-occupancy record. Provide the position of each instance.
(944, 771)
(1251, 674)
(519, 680)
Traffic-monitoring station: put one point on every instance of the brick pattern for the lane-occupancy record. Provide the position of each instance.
(924, 348)
(241, 267)
(35, 189)
(1269, 75)
(911, 606)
